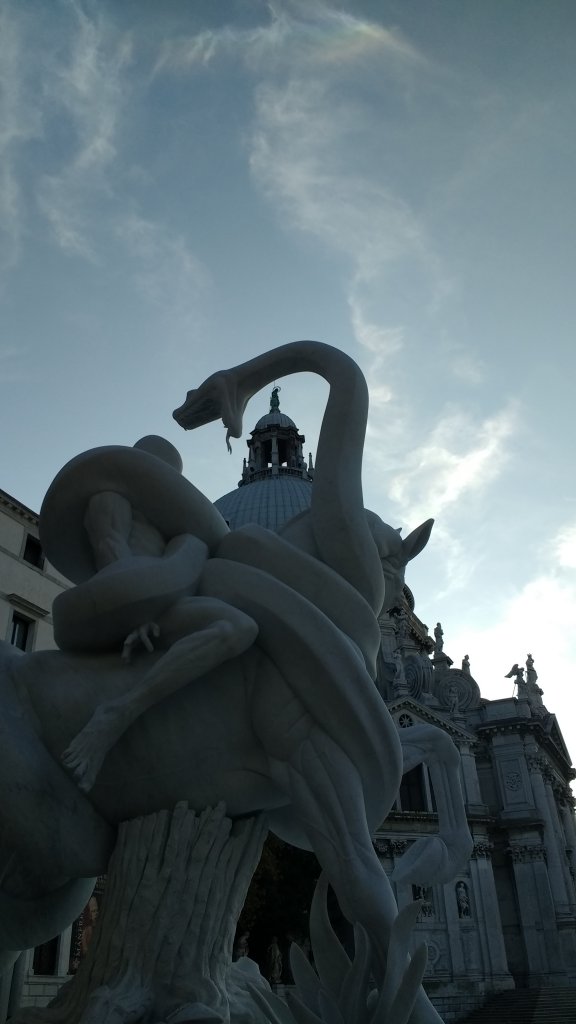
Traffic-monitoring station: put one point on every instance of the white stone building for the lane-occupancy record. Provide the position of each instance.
(509, 919)
(28, 586)
(28, 583)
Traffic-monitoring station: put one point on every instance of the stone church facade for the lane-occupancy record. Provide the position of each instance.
(509, 918)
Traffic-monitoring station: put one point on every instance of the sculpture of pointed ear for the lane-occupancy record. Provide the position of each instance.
(416, 541)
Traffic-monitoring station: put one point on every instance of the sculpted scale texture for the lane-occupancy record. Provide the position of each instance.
(205, 667)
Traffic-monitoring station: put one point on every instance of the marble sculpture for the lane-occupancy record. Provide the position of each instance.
(210, 685)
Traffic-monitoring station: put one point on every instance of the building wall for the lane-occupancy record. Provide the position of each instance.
(509, 918)
(28, 587)
(27, 590)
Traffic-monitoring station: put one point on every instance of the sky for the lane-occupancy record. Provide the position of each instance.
(186, 184)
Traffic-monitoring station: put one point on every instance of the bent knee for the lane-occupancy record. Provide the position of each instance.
(238, 632)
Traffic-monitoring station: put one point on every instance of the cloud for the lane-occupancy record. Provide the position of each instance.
(311, 146)
(164, 270)
(538, 618)
(87, 92)
(303, 145)
(310, 33)
(186, 53)
(78, 102)
(20, 122)
(380, 344)
(461, 457)
(464, 364)
(563, 547)
(300, 157)
(312, 151)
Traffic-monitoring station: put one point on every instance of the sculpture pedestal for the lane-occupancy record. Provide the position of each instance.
(162, 948)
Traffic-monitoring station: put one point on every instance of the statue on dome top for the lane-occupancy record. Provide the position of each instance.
(274, 400)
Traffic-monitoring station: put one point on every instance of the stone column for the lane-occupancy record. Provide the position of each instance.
(274, 453)
(63, 963)
(459, 966)
(536, 766)
(488, 913)
(553, 794)
(470, 781)
(18, 978)
(5, 987)
(569, 828)
(537, 913)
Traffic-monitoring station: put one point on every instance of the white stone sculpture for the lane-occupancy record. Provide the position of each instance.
(201, 669)
(340, 989)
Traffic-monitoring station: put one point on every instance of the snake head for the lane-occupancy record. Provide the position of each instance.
(217, 398)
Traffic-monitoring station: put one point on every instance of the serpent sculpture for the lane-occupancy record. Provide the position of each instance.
(247, 675)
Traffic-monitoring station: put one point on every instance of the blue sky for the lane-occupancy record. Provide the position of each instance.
(186, 184)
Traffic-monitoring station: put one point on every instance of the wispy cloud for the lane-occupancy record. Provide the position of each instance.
(308, 156)
(310, 31)
(301, 159)
(20, 122)
(163, 268)
(538, 618)
(196, 51)
(446, 477)
(460, 457)
(311, 145)
(87, 90)
(563, 547)
(380, 343)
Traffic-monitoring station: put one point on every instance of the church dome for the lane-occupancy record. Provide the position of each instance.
(270, 502)
(276, 483)
(275, 418)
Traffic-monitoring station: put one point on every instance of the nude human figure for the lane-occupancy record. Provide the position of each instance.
(197, 633)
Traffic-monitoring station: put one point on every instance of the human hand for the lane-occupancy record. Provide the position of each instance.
(143, 635)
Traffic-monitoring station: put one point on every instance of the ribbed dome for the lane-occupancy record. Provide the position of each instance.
(271, 502)
(275, 418)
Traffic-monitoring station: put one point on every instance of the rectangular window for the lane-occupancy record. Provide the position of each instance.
(21, 631)
(33, 552)
(46, 957)
(412, 792)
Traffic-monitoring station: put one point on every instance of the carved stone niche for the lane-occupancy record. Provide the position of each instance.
(514, 782)
(463, 900)
(458, 691)
(425, 893)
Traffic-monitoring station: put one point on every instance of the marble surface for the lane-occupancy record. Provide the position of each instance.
(202, 666)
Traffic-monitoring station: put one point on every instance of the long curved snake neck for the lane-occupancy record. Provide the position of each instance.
(338, 522)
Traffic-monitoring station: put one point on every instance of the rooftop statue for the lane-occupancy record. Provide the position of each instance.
(210, 684)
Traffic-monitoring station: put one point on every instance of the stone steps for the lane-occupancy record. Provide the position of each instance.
(527, 1006)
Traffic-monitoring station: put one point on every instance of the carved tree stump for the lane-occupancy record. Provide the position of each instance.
(162, 946)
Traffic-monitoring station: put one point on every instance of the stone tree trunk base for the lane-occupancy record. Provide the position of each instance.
(162, 947)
